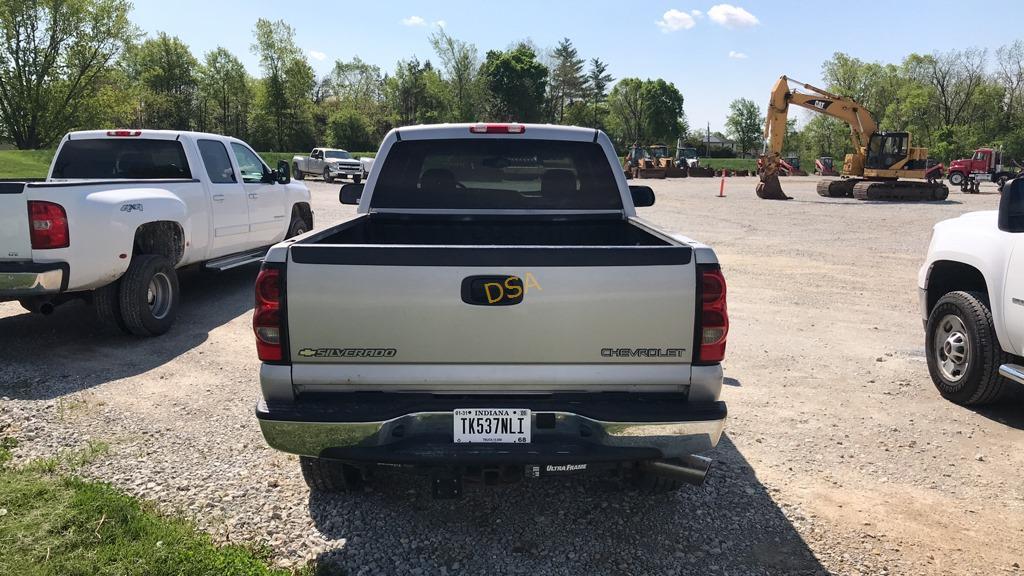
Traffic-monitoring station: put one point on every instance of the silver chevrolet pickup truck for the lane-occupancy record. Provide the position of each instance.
(495, 311)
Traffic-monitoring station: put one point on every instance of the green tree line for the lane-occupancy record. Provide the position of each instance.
(951, 102)
(80, 64)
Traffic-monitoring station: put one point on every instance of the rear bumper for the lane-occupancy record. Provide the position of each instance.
(566, 428)
(1013, 372)
(27, 279)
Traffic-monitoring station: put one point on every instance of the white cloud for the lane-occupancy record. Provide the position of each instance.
(737, 55)
(414, 21)
(316, 55)
(732, 16)
(440, 23)
(675, 20)
(696, 13)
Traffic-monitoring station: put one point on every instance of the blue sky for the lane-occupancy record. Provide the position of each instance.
(713, 53)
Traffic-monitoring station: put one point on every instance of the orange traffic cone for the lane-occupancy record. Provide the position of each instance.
(721, 187)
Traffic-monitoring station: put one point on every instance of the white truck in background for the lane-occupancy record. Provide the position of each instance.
(121, 210)
(495, 310)
(329, 163)
(972, 298)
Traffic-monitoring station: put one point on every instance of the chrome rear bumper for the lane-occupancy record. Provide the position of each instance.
(1013, 372)
(26, 279)
(562, 435)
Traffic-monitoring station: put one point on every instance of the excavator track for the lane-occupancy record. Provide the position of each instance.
(900, 190)
(837, 188)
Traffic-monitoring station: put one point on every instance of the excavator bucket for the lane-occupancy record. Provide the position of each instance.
(769, 188)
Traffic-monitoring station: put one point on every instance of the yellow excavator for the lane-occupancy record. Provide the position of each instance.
(877, 168)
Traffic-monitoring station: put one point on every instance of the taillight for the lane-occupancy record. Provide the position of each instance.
(497, 128)
(714, 316)
(266, 319)
(48, 225)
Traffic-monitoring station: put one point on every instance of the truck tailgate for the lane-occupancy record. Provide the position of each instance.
(15, 242)
(374, 314)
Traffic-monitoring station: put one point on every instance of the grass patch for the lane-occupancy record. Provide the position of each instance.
(730, 163)
(24, 163)
(56, 524)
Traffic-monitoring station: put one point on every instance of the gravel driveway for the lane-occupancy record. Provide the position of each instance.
(838, 456)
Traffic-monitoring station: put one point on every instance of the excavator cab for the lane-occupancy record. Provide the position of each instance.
(886, 149)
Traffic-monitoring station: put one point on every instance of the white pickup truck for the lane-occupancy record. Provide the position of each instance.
(972, 297)
(330, 163)
(495, 310)
(121, 210)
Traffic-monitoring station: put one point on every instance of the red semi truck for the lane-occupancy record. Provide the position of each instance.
(986, 166)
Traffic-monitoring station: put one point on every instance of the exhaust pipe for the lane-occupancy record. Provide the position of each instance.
(38, 305)
(690, 469)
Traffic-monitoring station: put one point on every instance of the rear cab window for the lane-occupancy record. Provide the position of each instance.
(496, 174)
(218, 163)
(121, 158)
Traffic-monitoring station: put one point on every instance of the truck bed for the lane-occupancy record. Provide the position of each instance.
(383, 229)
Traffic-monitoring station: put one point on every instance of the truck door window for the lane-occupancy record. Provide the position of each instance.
(121, 158)
(497, 174)
(218, 165)
(250, 165)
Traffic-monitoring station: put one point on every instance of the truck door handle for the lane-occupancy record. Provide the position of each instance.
(218, 197)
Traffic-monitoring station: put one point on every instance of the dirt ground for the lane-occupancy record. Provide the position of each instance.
(835, 430)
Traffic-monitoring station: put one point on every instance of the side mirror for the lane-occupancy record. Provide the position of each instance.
(643, 196)
(350, 193)
(1011, 206)
(283, 172)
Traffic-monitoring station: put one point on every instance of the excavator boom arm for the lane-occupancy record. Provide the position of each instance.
(862, 125)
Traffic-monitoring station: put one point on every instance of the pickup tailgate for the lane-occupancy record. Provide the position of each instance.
(408, 316)
(15, 242)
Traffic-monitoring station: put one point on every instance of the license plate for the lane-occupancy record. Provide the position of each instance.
(492, 425)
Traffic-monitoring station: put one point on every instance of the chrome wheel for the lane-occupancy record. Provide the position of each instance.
(952, 347)
(159, 295)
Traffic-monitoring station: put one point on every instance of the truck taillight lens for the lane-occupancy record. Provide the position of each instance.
(497, 128)
(714, 316)
(48, 225)
(266, 319)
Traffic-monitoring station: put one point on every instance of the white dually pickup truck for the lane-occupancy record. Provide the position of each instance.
(495, 310)
(330, 163)
(972, 297)
(121, 210)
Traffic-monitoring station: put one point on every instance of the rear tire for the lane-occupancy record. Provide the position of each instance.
(297, 227)
(149, 295)
(322, 475)
(106, 302)
(297, 173)
(327, 176)
(963, 352)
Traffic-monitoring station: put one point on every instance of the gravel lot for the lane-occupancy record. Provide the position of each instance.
(839, 456)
